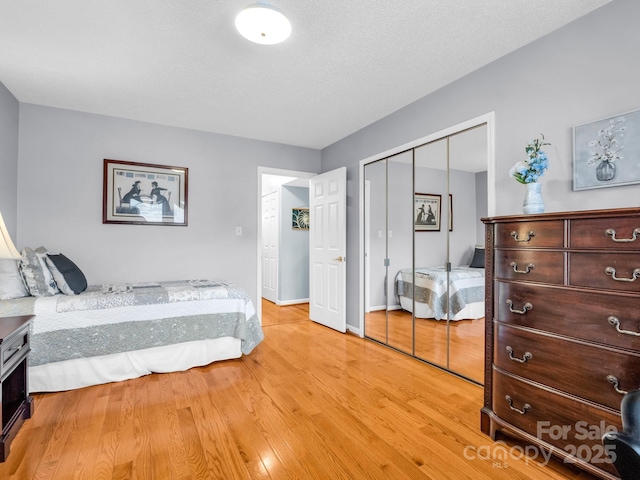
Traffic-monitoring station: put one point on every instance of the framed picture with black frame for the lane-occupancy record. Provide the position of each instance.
(427, 212)
(300, 218)
(144, 194)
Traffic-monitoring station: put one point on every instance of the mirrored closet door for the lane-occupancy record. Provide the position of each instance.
(387, 245)
(399, 205)
(468, 189)
(431, 253)
(422, 228)
(375, 251)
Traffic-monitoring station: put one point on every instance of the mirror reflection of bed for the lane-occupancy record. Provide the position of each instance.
(449, 316)
(454, 297)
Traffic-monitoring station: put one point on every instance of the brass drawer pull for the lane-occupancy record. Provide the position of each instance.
(610, 232)
(525, 357)
(527, 306)
(612, 271)
(529, 267)
(525, 408)
(530, 235)
(615, 322)
(614, 381)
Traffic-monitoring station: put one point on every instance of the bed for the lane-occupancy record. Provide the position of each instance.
(466, 292)
(110, 332)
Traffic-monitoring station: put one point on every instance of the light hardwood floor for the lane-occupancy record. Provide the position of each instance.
(307, 403)
(465, 338)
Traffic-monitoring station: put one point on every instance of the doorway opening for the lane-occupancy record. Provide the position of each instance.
(283, 275)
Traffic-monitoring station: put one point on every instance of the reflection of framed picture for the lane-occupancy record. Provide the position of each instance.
(426, 212)
(606, 152)
(144, 194)
(450, 213)
(300, 218)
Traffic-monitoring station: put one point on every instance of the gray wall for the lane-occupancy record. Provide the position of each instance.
(60, 196)
(293, 271)
(9, 112)
(586, 71)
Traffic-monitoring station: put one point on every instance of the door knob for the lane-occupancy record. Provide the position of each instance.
(339, 259)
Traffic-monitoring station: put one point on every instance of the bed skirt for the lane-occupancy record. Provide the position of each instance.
(83, 372)
(470, 311)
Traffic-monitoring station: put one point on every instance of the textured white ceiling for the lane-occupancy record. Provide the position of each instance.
(347, 63)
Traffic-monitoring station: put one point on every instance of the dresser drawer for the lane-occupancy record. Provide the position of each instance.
(605, 318)
(571, 425)
(609, 233)
(582, 369)
(13, 350)
(530, 234)
(610, 271)
(530, 266)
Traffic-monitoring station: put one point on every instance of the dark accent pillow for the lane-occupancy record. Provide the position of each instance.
(68, 276)
(478, 258)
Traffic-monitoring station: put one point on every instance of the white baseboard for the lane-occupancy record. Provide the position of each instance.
(298, 301)
(354, 330)
(384, 307)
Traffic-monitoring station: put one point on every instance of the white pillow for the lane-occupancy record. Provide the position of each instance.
(11, 283)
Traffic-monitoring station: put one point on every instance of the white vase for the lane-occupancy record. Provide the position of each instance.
(533, 202)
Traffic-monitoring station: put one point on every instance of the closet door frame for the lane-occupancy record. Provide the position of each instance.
(489, 120)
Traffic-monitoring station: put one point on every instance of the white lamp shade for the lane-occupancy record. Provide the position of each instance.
(264, 24)
(7, 249)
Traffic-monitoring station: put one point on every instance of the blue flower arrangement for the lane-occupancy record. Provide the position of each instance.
(531, 169)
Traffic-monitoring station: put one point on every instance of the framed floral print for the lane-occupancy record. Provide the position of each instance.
(606, 153)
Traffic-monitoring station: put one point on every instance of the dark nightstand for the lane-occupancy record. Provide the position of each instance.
(14, 391)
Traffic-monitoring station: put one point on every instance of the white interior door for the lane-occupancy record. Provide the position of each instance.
(327, 248)
(270, 247)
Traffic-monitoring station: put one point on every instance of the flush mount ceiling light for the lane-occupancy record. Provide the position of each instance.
(263, 23)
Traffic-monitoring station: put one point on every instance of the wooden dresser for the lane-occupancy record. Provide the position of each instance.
(562, 329)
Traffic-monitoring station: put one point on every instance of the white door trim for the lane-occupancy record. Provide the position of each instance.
(270, 250)
(489, 119)
(367, 243)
